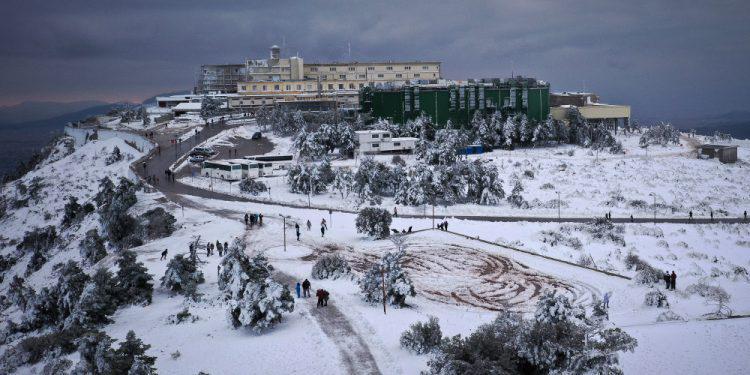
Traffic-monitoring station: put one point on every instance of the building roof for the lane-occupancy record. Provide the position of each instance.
(187, 107)
(718, 146)
(372, 62)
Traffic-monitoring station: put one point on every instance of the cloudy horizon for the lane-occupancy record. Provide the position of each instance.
(664, 59)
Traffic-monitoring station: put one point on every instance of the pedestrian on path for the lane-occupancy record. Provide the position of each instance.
(322, 231)
(712, 216)
(606, 299)
(246, 219)
(745, 215)
(218, 270)
(260, 219)
(690, 217)
(226, 246)
(297, 288)
(306, 288)
(667, 279)
(323, 223)
(673, 280)
(309, 225)
(296, 228)
(395, 212)
(164, 254)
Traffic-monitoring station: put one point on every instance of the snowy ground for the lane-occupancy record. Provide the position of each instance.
(590, 184)
(462, 281)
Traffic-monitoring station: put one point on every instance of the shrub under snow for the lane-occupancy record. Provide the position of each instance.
(422, 338)
(374, 222)
(656, 298)
(330, 267)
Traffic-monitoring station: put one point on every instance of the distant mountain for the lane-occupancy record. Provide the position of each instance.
(21, 140)
(152, 100)
(39, 110)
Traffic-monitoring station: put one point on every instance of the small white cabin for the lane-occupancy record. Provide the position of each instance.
(225, 170)
(375, 141)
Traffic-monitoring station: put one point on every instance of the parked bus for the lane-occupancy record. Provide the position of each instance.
(226, 170)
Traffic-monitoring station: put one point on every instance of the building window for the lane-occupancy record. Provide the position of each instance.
(276, 87)
(341, 86)
(255, 87)
(362, 76)
(342, 76)
(376, 135)
(425, 67)
(265, 88)
(351, 86)
(375, 145)
(380, 75)
(309, 87)
(407, 68)
(370, 68)
(433, 75)
(288, 87)
(324, 77)
(396, 144)
(330, 86)
(313, 69)
(388, 68)
(351, 68)
(299, 87)
(333, 68)
(398, 75)
(243, 88)
(416, 75)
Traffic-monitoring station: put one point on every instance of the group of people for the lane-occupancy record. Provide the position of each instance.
(670, 280)
(253, 218)
(305, 287)
(170, 174)
(443, 225)
(323, 228)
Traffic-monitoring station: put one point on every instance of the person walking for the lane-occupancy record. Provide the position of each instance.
(296, 228)
(673, 280)
(246, 218)
(164, 254)
(322, 231)
(605, 300)
(690, 215)
(298, 287)
(631, 218)
(226, 246)
(395, 212)
(323, 223)
(208, 248)
(319, 294)
(746, 215)
(306, 288)
(667, 279)
(445, 225)
(218, 271)
(325, 297)
(309, 225)
(260, 219)
(712, 216)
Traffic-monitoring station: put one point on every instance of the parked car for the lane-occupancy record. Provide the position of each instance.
(197, 159)
(257, 135)
(202, 151)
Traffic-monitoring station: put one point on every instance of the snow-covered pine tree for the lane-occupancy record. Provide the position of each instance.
(422, 338)
(92, 247)
(509, 131)
(374, 222)
(255, 300)
(131, 358)
(486, 134)
(98, 301)
(330, 267)
(398, 285)
(343, 181)
(133, 280)
(182, 276)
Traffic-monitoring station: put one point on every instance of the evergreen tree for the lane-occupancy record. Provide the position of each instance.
(130, 358)
(374, 222)
(98, 301)
(509, 131)
(92, 247)
(71, 212)
(343, 181)
(398, 285)
(134, 282)
(486, 134)
(182, 276)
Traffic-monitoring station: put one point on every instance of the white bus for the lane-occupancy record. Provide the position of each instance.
(225, 170)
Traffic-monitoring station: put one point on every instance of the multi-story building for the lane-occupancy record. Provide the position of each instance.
(457, 103)
(275, 79)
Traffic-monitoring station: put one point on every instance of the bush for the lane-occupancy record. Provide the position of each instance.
(398, 285)
(422, 338)
(656, 298)
(181, 317)
(374, 222)
(157, 223)
(330, 266)
(669, 316)
(38, 239)
(182, 276)
(252, 187)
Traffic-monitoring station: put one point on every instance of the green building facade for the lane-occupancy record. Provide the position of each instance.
(458, 103)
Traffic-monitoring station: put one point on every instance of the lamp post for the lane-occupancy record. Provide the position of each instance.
(284, 217)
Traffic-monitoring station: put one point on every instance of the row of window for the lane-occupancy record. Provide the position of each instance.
(353, 68)
(364, 76)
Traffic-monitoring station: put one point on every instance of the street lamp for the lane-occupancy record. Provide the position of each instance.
(284, 217)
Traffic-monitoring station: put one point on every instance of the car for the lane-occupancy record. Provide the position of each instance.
(257, 135)
(197, 159)
(202, 151)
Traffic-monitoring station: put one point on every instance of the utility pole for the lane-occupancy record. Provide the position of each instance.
(382, 274)
(284, 217)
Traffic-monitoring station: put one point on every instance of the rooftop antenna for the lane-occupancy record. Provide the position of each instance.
(349, 45)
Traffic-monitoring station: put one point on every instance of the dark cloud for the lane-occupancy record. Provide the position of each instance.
(666, 58)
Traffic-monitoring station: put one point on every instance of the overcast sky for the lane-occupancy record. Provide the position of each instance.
(665, 58)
